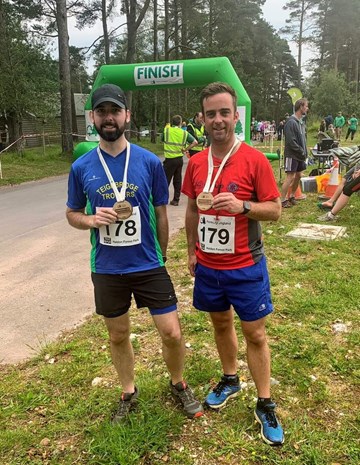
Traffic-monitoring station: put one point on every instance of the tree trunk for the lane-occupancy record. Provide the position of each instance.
(166, 51)
(153, 132)
(13, 121)
(64, 73)
(105, 31)
(133, 24)
(210, 26)
(356, 78)
(73, 118)
(301, 28)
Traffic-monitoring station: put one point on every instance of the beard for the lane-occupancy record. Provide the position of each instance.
(110, 135)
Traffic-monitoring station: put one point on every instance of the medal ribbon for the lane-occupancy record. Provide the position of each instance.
(120, 196)
(207, 187)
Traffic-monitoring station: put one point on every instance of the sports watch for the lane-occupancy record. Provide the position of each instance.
(246, 207)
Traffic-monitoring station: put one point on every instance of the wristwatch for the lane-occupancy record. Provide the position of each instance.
(246, 207)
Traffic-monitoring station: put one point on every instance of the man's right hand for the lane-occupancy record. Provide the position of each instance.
(191, 263)
(104, 216)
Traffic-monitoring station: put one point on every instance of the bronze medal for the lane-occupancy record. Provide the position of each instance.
(123, 209)
(204, 201)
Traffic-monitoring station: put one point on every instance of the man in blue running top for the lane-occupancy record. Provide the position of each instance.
(119, 192)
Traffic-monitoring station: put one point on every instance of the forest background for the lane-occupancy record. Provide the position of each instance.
(158, 30)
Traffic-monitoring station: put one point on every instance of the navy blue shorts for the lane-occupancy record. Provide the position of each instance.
(152, 289)
(246, 289)
(294, 166)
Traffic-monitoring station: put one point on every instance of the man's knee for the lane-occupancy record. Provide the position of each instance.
(118, 333)
(290, 177)
(254, 334)
(222, 322)
(171, 335)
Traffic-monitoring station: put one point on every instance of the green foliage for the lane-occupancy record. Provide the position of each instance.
(79, 76)
(331, 95)
(28, 65)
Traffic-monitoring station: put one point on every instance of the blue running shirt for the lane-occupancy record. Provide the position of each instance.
(129, 245)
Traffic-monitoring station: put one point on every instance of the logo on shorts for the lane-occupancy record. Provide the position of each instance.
(107, 240)
(262, 307)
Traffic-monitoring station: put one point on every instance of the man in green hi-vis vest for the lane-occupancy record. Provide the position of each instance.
(176, 142)
(197, 129)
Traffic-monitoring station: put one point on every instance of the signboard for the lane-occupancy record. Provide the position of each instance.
(159, 74)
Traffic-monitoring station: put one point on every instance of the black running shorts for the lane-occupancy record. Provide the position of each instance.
(151, 288)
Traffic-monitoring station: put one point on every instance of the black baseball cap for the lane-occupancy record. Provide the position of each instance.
(108, 93)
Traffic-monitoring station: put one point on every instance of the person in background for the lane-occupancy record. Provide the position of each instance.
(252, 127)
(339, 123)
(196, 128)
(227, 199)
(176, 143)
(129, 236)
(353, 124)
(341, 197)
(295, 152)
(280, 129)
(322, 127)
(331, 131)
(328, 120)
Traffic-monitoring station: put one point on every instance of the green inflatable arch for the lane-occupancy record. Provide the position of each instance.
(176, 75)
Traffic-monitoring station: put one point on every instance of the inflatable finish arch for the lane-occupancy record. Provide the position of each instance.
(177, 75)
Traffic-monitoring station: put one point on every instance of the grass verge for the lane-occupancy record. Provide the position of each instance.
(37, 163)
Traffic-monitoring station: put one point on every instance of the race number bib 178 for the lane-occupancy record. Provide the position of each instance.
(123, 232)
(217, 234)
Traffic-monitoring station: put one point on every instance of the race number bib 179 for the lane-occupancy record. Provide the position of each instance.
(123, 232)
(217, 234)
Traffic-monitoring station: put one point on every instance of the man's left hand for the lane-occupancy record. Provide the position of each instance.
(227, 201)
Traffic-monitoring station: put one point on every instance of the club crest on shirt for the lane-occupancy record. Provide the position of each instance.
(232, 187)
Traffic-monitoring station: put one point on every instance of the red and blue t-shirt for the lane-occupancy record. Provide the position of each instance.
(249, 176)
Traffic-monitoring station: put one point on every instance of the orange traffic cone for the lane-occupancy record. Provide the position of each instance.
(334, 180)
(298, 194)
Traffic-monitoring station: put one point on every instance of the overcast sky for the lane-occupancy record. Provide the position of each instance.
(272, 10)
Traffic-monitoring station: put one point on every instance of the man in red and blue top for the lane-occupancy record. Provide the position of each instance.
(225, 249)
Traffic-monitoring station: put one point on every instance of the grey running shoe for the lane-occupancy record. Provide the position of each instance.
(184, 395)
(293, 201)
(127, 402)
(328, 217)
(286, 204)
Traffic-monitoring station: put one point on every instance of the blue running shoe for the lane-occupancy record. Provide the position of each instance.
(223, 391)
(271, 430)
